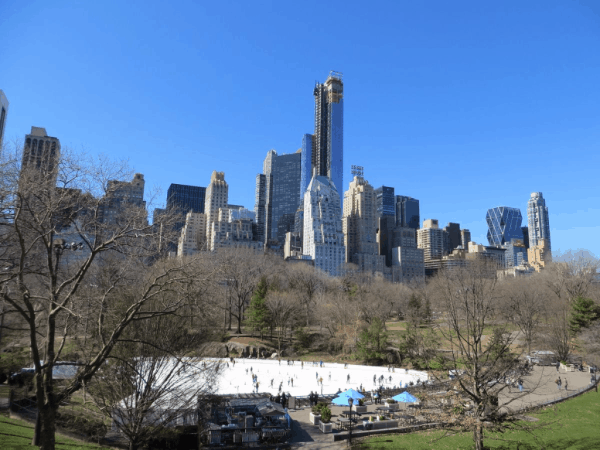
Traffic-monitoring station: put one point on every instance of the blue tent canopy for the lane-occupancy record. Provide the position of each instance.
(406, 397)
(351, 393)
(341, 400)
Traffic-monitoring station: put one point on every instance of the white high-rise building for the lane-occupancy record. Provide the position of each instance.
(193, 234)
(323, 237)
(359, 225)
(538, 221)
(217, 196)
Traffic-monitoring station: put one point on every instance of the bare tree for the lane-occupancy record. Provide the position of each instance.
(44, 275)
(469, 297)
(307, 282)
(242, 269)
(283, 308)
(525, 306)
(149, 384)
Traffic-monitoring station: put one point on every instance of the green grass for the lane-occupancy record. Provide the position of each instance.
(570, 425)
(17, 435)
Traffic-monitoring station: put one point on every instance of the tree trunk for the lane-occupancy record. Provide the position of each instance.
(47, 428)
(478, 435)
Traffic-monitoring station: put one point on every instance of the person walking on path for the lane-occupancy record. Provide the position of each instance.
(520, 384)
(566, 384)
(557, 365)
(558, 383)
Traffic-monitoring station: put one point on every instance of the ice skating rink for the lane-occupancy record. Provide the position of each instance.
(237, 378)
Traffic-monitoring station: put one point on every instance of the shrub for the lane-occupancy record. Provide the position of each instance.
(390, 401)
(318, 408)
(361, 402)
(325, 415)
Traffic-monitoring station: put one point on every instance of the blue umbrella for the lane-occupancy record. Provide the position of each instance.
(341, 400)
(351, 393)
(406, 398)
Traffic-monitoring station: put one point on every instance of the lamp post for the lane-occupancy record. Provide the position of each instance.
(350, 402)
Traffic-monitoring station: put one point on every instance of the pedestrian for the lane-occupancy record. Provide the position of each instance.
(374, 378)
(360, 388)
(301, 364)
(292, 380)
(557, 365)
(329, 375)
(317, 375)
(566, 384)
(348, 379)
(520, 384)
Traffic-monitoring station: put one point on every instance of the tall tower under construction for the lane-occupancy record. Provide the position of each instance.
(327, 158)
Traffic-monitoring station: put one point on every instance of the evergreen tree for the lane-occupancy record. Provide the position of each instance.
(257, 315)
(583, 314)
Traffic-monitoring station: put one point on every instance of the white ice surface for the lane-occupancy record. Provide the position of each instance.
(235, 380)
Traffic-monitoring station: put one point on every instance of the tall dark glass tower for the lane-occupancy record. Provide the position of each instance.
(504, 224)
(327, 158)
(186, 198)
(386, 201)
(277, 195)
(407, 212)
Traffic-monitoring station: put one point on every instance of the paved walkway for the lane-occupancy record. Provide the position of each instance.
(539, 388)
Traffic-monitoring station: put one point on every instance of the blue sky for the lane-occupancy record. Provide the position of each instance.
(463, 105)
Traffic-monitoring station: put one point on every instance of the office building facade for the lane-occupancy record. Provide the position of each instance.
(327, 158)
(193, 234)
(359, 224)
(184, 198)
(306, 164)
(41, 155)
(407, 212)
(217, 196)
(121, 196)
(3, 116)
(538, 221)
(504, 224)
(277, 195)
(323, 238)
(386, 201)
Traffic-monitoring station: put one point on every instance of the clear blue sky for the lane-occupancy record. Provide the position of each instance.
(463, 105)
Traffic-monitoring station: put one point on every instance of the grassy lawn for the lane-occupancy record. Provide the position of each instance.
(571, 425)
(16, 434)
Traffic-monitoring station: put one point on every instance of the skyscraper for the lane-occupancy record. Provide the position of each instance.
(538, 221)
(359, 224)
(453, 239)
(41, 155)
(184, 198)
(121, 195)
(386, 202)
(407, 212)
(306, 164)
(217, 196)
(277, 195)
(3, 114)
(323, 237)
(327, 157)
(433, 240)
(504, 224)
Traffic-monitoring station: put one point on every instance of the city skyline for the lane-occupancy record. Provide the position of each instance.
(493, 99)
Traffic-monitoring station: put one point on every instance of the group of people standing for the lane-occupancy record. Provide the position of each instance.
(313, 398)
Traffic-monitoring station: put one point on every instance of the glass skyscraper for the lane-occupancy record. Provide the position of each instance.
(386, 201)
(186, 198)
(407, 212)
(538, 220)
(504, 224)
(327, 157)
(306, 164)
(278, 195)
